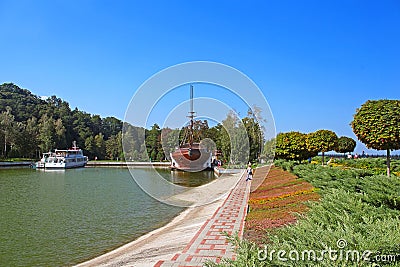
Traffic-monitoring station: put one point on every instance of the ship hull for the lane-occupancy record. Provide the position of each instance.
(191, 159)
(54, 165)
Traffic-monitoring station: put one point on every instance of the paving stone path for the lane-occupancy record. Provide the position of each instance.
(209, 243)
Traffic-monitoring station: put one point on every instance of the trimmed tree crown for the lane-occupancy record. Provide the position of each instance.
(377, 124)
(322, 141)
(293, 146)
(345, 144)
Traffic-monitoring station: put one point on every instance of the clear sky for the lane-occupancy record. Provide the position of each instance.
(315, 61)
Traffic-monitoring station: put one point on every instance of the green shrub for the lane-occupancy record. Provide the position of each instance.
(340, 216)
(357, 207)
(287, 165)
(377, 165)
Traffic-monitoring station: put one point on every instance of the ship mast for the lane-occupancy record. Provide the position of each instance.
(191, 116)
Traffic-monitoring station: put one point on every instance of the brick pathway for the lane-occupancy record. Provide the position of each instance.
(209, 243)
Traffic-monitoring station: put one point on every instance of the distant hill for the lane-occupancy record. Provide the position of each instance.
(23, 103)
(30, 124)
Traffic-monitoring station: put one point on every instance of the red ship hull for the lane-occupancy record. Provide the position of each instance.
(191, 158)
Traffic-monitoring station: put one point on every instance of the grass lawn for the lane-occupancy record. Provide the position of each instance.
(16, 159)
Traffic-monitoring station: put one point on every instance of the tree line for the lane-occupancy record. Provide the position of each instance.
(376, 124)
(237, 140)
(30, 126)
(300, 146)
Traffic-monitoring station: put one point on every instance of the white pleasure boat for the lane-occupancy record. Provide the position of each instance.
(63, 159)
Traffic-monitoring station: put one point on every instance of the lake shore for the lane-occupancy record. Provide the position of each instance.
(15, 164)
(93, 163)
(157, 164)
(162, 243)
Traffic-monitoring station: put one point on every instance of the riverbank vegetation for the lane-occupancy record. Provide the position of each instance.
(359, 211)
(31, 125)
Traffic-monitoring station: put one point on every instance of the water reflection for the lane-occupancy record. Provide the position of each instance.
(188, 179)
(60, 218)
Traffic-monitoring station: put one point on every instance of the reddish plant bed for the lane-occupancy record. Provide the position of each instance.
(275, 203)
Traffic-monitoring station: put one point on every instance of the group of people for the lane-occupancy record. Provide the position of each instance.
(217, 162)
(356, 156)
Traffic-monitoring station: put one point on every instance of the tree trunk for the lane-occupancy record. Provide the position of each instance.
(5, 144)
(323, 161)
(388, 162)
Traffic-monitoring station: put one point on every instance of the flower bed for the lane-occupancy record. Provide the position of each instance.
(276, 202)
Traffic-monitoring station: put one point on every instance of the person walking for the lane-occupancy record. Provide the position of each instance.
(249, 173)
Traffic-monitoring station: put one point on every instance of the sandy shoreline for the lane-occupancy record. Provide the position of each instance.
(162, 243)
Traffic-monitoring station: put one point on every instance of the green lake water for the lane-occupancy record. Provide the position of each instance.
(61, 218)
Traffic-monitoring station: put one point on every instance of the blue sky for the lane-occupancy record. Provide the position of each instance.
(315, 61)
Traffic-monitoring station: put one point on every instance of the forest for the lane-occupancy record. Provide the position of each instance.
(30, 125)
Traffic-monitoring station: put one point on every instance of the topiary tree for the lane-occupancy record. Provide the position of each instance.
(345, 144)
(292, 146)
(321, 141)
(377, 124)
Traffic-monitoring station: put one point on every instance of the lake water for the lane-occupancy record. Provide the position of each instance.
(59, 218)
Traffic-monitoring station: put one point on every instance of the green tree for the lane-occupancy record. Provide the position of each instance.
(111, 126)
(229, 125)
(292, 146)
(220, 137)
(153, 143)
(31, 127)
(46, 133)
(377, 125)
(7, 128)
(133, 142)
(90, 147)
(240, 146)
(25, 139)
(255, 136)
(111, 147)
(60, 130)
(100, 146)
(200, 127)
(81, 126)
(169, 140)
(114, 147)
(31, 142)
(345, 144)
(64, 113)
(96, 124)
(16, 148)
(22, 102)
(235, 144)
(322, 141)
(268, 152)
